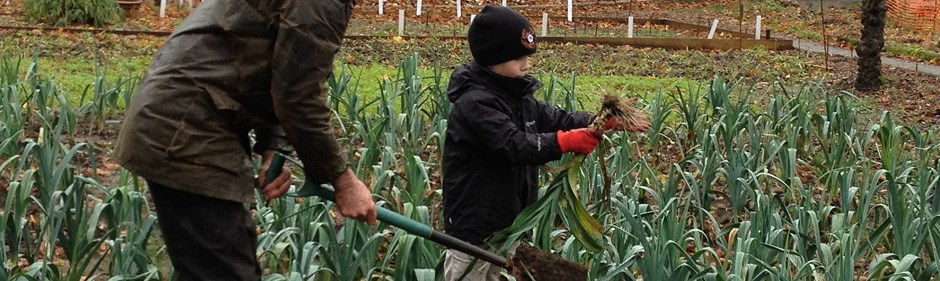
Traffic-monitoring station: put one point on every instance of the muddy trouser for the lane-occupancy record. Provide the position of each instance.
(206, 238)
(457, 263)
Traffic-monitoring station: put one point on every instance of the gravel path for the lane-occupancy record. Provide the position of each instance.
(899, 63)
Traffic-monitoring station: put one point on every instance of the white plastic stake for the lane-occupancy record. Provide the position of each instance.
(418, 12)
(381, 7)
(711, 33)
(162, 8)
(757, 28)
(569, 9)
(190, 5)
(401, 22)
(459, 10)
(504, 3)
(544, 24)
(630, 27)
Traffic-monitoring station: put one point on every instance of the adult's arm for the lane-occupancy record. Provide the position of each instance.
(309, 34)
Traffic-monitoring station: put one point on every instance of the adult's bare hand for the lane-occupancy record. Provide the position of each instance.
(353, 198)
(279, 185)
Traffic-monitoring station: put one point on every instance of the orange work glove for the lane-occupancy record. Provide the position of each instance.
(581, 141)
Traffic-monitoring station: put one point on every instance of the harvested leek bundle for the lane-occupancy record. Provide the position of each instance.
(617, 113)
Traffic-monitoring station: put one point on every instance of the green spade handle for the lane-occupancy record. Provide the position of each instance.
(385, 215)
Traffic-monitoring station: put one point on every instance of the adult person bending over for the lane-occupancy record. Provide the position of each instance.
(233, 68)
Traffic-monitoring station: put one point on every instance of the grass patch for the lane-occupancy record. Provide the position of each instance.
(734, 10)
(74, 75)
(73, 59)
(903, 49)
(589, 88)
(806, 33)
(911, 50)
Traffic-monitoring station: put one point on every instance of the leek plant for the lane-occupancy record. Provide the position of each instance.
(660, 110)
(13, 120)
(132, 224)
(17, 237)
(12, 117)
(105, 98)
(81, 214)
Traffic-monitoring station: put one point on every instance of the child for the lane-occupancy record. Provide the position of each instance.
(497, 135)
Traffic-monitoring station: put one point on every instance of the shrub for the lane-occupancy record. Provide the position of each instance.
(62, 12)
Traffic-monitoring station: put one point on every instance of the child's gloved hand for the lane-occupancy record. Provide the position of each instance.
(581, 141)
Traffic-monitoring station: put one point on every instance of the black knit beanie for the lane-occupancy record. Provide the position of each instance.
(499, 34)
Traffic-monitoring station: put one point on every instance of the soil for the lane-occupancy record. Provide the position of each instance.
(910, 96)
(531, 263)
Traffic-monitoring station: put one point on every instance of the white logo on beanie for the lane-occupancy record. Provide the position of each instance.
(528, 38)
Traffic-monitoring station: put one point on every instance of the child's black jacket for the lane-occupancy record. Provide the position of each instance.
(497, 135)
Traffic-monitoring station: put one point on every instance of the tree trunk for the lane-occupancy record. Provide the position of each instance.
(870, 46)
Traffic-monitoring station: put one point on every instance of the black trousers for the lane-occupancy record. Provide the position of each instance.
(206, 238)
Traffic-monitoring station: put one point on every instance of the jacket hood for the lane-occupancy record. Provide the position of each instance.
(473, 76)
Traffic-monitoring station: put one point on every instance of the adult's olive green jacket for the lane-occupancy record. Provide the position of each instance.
(233, 67)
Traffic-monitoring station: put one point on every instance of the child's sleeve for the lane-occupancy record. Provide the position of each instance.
(499, 138)
(551, 118)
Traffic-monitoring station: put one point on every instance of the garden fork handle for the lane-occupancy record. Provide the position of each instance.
(385, 215)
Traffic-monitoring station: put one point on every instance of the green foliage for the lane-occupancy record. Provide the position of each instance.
(559, 200)
(904, 49)
(107, 98)
(808, 34)
(731, 183)
(912, 50)
(734, 9)
(62, 12)
(49, 208)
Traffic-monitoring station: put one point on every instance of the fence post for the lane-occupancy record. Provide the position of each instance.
(630, 27)
(401, 22)
(711, 33)
(757, 28)
(569, 9)
(544, 24)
